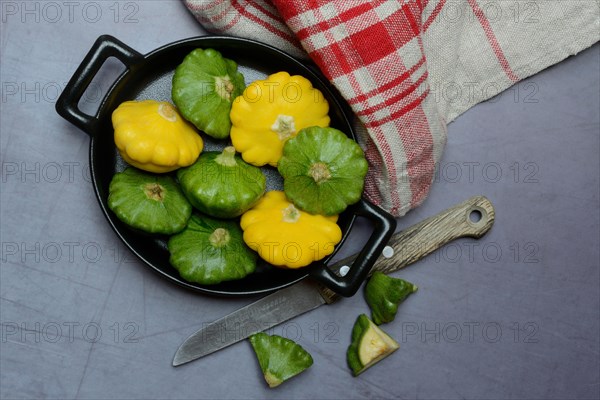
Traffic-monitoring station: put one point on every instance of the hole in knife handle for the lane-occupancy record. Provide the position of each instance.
(476, 216)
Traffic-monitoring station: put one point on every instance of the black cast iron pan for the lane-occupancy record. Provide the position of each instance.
(149, 77)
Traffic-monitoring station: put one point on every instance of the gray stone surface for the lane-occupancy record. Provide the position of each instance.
(512, 316)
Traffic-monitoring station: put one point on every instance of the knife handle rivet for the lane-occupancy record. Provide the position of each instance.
(388, 252)
(344, 270)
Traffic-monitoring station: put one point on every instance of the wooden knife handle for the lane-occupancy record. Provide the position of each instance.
(471, 218)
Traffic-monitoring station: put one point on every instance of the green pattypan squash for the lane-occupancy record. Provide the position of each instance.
(210, 251)
(323, 170)
(221, 184)
(148, 202)
(370, 344)
(279, 358)
(384, 294)
(204, 87)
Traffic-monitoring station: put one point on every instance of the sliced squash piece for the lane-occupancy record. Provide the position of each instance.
(384, 294)
(280, 358)
(370, 344)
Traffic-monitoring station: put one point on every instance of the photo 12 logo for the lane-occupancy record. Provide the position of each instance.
(526, 252)
(71, 252)
(508, 11)
(48, 172)
(516, 172)
(490, 92)
(470, 332)
(53, 12)
(21, 92)
(68, 331)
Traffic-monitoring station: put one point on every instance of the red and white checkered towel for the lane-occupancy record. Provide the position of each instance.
(407, 68)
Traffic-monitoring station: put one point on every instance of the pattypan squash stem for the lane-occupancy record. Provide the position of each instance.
(290, 214)
(154, 191)
(284, 126)
(224, 87)
(220, 237)
(167, 111)
(227, 157)
(319, 172)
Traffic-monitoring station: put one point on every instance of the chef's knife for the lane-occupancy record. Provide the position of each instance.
(471, 218)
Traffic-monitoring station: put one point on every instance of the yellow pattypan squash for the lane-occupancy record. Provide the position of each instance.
(285, 236)
(151, 135)
(271, 111)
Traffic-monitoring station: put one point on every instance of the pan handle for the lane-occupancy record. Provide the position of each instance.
(348, 285)
(67, 104)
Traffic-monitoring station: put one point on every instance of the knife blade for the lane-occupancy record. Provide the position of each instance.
(471, 218)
